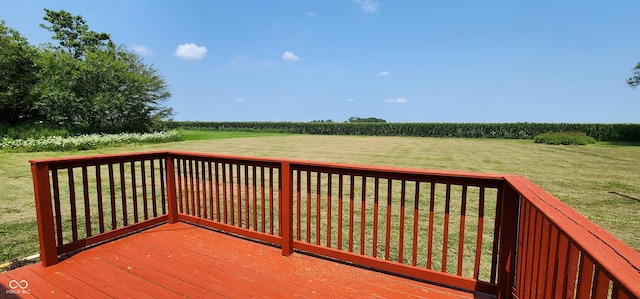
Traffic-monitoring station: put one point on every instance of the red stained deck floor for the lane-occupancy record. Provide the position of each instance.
(182, 260)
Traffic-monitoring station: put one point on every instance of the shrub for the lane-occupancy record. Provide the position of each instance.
(564, 138)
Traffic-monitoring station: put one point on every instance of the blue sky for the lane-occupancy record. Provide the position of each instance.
(401, 60)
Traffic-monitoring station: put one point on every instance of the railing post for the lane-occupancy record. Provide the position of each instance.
(509, 211)
(44, 213)
(286, 215)
(171, 190)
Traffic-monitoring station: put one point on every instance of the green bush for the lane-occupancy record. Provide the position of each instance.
(564, 138)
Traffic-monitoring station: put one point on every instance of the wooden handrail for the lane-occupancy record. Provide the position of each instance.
(410, 222)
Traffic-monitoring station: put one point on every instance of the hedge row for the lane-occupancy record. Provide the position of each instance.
(601, 132)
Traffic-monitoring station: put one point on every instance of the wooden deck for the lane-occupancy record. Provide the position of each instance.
(183, 260)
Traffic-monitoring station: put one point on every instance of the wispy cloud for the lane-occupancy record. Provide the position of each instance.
(383, 74)
(350, 99)
(239, 100)
(289, 56)
(396, 101)
(142, 50)
(240, 59)
(311, 14)
(368, 6)
(191, 51)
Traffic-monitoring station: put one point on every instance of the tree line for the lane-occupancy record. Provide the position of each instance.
(82, 82)
(600, 132)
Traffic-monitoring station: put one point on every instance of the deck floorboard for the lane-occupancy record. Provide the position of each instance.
(182, 260)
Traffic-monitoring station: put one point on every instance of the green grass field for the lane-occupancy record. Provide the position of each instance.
(600, 181)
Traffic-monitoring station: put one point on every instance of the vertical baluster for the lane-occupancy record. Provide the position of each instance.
(211, 194)
(479, 234)
(376, 186)
(403, 192)
(329, 210)
(134, 192)
(318, 204)
(254, 190)
(205, 194)
(416, 218)
(143, 174)
(496, 236)
(231, 195)
(601, 284)
(72, 201)
(543, 263)
(299, 205)
(239, 192)
(87, 204)
(308, 216)
(585, 276)
(112, 193)
(56, 205)
(262, 202)
(351, 211)
(123, 196)
(363, 214)
(463, 214)
(217, 183)
(154, 193)
(163, 194)
(224, 191)
(179, 179)
(100, 205)
(271, 216)
(387, 241)
(432, 200)
(196, 197)
(340, 189)
(445, 237)
(552, 264)
(193, 185)
(246, 196)
(537, 253)
(572, 271)
(184, 208)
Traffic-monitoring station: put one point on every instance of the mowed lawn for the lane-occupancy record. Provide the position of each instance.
(601, 181)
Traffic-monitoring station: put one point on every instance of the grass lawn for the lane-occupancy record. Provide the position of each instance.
(600, 181)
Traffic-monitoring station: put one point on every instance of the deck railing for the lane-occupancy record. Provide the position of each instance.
(497, 234)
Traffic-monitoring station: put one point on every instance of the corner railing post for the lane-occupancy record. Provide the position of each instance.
(44, 213)
(171, 190)
(509, 211)
(286, 215)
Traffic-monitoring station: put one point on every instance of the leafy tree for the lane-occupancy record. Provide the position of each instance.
(73, 34)
(635, 79)
(87, 84)
(355, 119)
(17, 76)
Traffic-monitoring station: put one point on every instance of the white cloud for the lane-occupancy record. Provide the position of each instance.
(383, 74)
(191, 51)
(240, 100)
(367, 6)
(396, 101)
(311, 14)
(142, 50)
(289, 56)
(350, 100)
